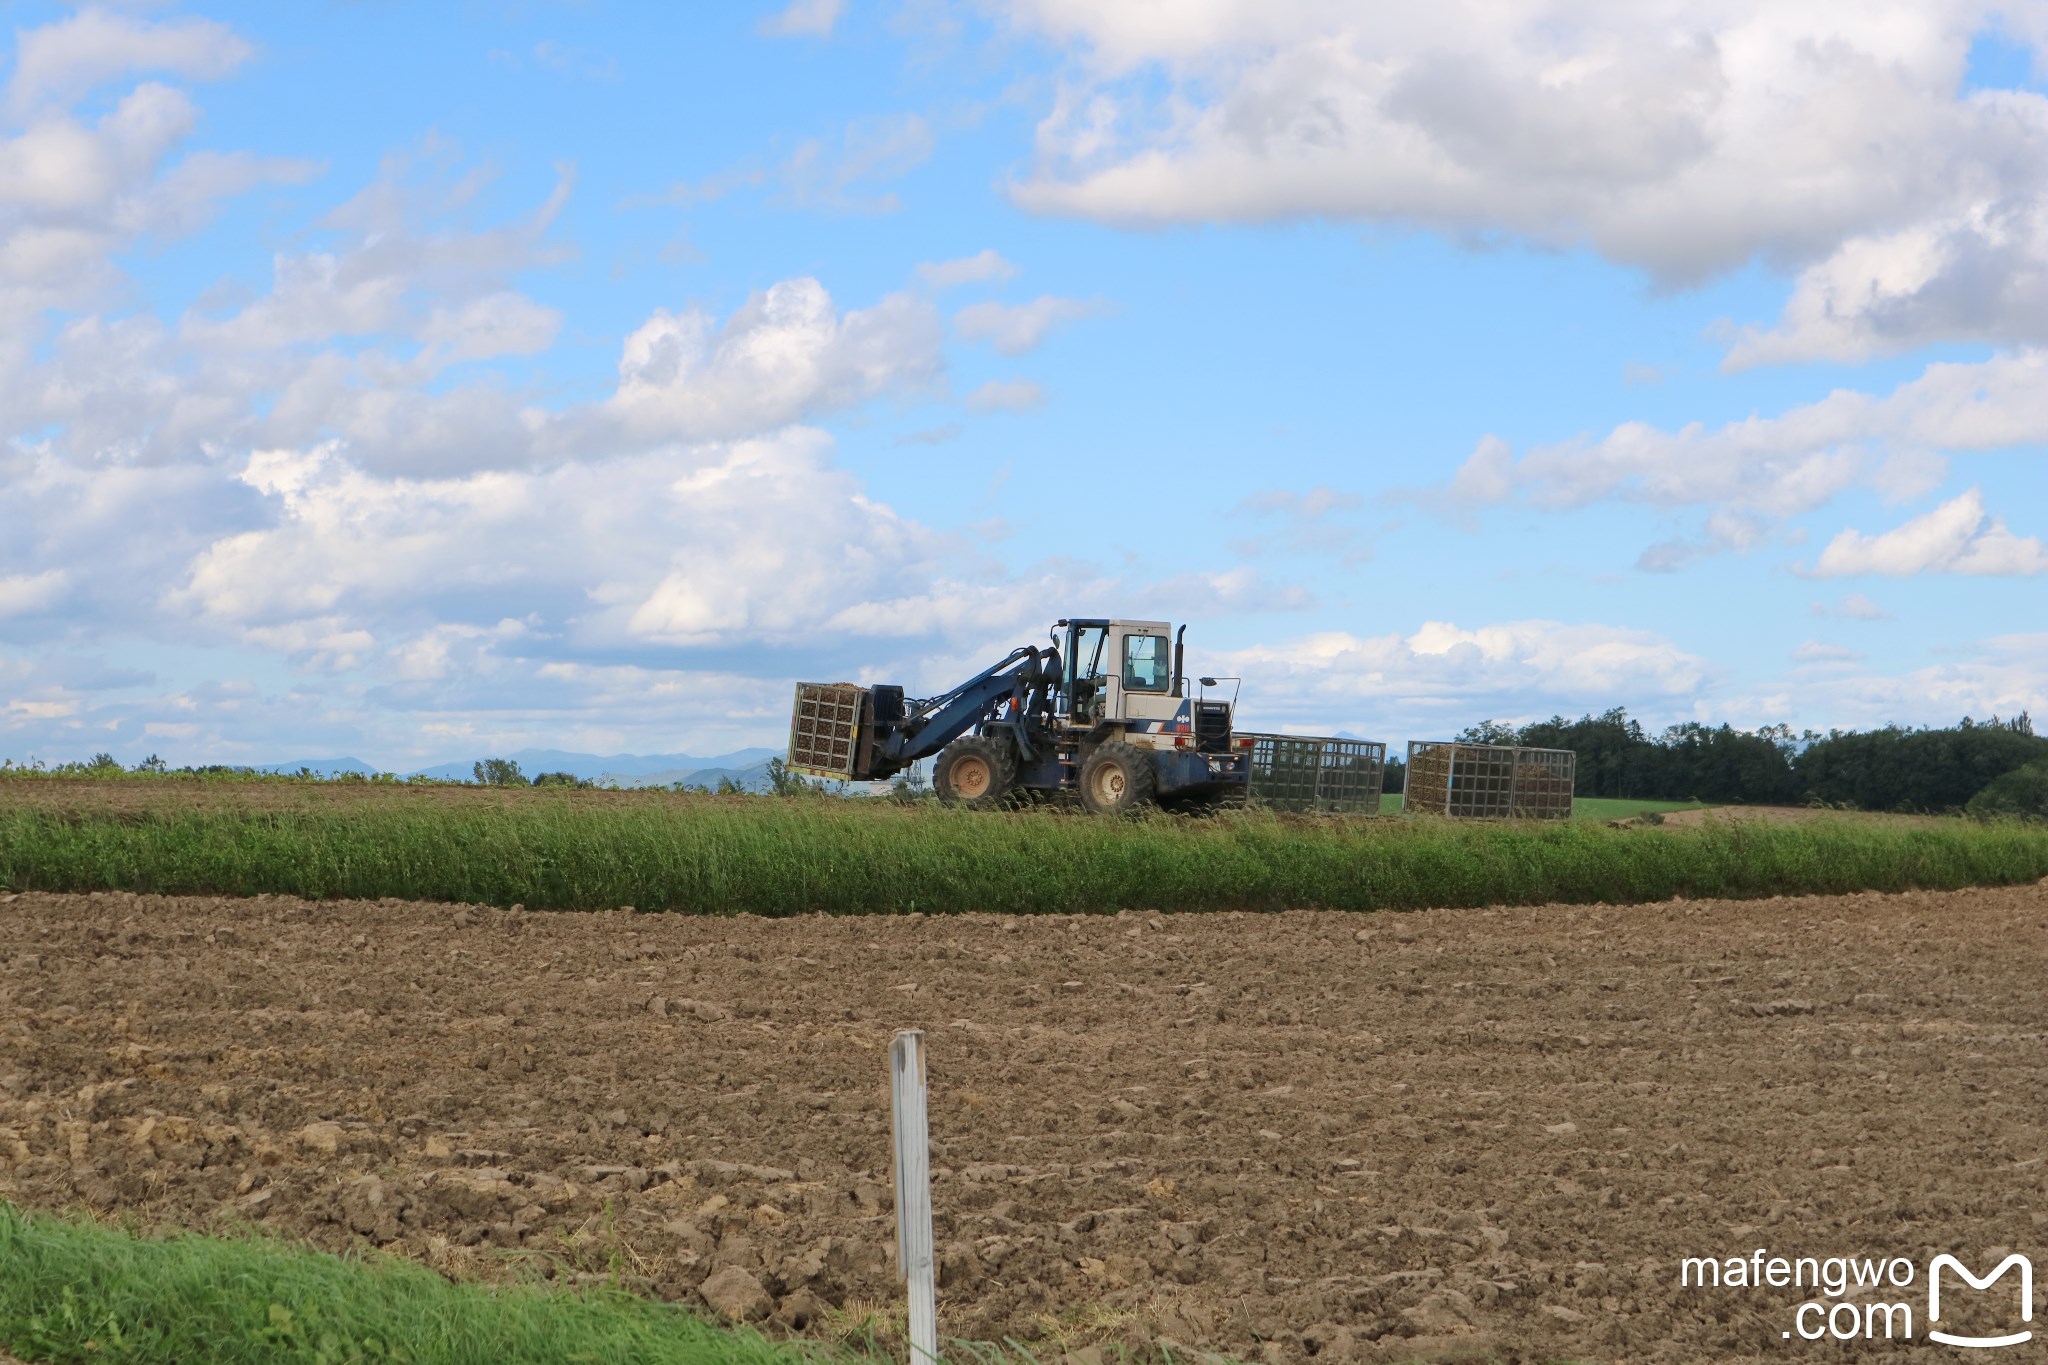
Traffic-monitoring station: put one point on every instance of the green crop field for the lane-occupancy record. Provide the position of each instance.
(78, 1292)
(1586, 807)
(762, 855)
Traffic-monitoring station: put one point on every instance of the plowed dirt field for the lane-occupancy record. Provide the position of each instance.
(1457, 1134)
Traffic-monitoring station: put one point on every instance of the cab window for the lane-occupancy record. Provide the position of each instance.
(1145, 663)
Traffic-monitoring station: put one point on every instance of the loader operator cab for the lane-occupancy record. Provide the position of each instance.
(1117, 670)
(1085, 686)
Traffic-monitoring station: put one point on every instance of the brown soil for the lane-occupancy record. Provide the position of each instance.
(1454, 1134)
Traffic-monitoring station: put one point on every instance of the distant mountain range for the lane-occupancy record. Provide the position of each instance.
(747, 767)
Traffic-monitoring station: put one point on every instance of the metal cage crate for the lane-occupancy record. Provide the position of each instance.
(1312, 773)
(827, 729)
(1489, 781)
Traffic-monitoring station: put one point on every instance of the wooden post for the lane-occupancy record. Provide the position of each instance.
(914, 1261)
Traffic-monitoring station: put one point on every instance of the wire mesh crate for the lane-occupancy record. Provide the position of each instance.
(1313, 773)
(827, 728)
(1489, 781)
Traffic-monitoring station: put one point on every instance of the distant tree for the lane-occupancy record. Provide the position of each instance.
(1618, 758)
(784, 780)
(2021, 793)
(103, 763)
(152, 764)
(560, 780)
(498, 772)
(1916, 770)
(1394, 777)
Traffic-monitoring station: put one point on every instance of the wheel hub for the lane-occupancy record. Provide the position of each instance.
(970, 778)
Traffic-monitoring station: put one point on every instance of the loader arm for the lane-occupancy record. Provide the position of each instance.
(930, 725)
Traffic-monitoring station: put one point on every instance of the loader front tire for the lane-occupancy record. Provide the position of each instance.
(1117, 779)
(976, 772)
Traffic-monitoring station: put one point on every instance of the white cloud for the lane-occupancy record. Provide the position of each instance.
(72, 194)
(1759, 471)
(1684, 139)
(1006, 395)
(21, 594)
(1980, 273)
(497, 324)
(57, 63)
(982, 267)
(1956, 537)
(785, 355)
(2002, 676)
(750, 543)
(318, 644)
(1014, 329)
(1441, 677)
(804, 19)
(395, 275)
(1725, 530)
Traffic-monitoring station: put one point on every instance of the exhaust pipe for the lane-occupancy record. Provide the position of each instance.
(1180, 641)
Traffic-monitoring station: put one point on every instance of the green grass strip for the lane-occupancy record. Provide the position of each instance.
(74, 1292)
(776, 857)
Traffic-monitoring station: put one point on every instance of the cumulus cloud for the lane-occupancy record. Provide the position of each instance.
(1016, 328)
(73, 193)
(786, 354)
(395, 275)
(1681, 140)
(1956, 537)
(58, 62)
(1981, 273)
(1442, 676)
(1789, 463)
(1755, 473)
(754, 542)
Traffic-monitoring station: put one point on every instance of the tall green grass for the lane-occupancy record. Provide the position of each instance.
(771, 857)
(72, 1292)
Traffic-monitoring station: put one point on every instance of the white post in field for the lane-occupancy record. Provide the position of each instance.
(914, 1192)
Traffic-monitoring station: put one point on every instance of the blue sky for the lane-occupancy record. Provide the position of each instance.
(581, 375)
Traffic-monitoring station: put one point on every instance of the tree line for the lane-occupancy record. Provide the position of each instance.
(1894, 768)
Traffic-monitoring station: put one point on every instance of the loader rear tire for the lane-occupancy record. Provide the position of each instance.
(1117, 779)
(976, 772)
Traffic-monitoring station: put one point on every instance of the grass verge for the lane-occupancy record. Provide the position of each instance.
(78, 1292)
(775, 857)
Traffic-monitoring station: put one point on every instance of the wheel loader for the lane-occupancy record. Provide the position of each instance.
(1104, 711)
